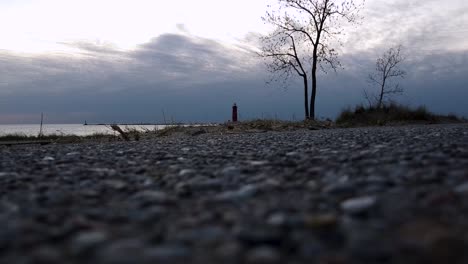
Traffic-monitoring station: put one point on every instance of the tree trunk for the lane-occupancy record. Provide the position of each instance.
(314, 87)
(306, 97)
(379, 105)
(382, 90)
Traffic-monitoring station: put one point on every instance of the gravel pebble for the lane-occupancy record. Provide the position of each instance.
(462, 189)
(263, 255)
(358, 205)
(244, 192)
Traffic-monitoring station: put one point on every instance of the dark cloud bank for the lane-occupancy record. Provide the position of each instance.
(197, 80)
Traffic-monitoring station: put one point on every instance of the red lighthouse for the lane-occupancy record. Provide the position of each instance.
(234, 113)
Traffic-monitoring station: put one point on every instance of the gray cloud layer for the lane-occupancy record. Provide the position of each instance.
(171, 72)
(196, 79)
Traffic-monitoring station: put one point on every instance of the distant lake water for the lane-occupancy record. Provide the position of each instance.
(68, 129)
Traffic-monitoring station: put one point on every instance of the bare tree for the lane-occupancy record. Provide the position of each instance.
(319, 22)
(387, 68)
(283, 59)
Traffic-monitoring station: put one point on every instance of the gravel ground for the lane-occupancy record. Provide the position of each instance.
(366, 195)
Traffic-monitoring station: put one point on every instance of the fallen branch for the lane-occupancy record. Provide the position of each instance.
(121, 132)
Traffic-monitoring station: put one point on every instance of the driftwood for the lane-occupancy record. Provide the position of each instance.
(121, 132)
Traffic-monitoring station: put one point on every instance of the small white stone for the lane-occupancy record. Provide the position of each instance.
(258, 162)
(312, 185)
(263, 255)
(272, 183)
(6, 206)
(247, 191)
(358, 205)
(277, 219)
(231, 171)
(244, 192)
(48, 158)
(90, 238)
(462, 189)
(103, 171)
(343, 179)
(186, 172)
(154, 196)
(115, 184)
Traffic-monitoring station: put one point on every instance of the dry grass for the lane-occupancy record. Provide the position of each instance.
(392, 114)
(249, 126)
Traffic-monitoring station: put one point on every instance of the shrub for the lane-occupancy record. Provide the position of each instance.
(392, 113)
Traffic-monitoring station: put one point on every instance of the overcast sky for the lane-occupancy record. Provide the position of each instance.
(128, 60)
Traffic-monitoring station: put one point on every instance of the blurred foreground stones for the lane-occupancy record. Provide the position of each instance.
(363, 195)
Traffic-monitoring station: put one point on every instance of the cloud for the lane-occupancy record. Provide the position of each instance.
(89, 48)
(423, 26)
(191, 60)
(112, 84)
(169, 57)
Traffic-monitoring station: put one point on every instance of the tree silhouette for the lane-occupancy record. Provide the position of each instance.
(387, 68)
(318, 22)
(283, 59)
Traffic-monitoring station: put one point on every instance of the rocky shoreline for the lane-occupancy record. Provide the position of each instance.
(361, 195)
